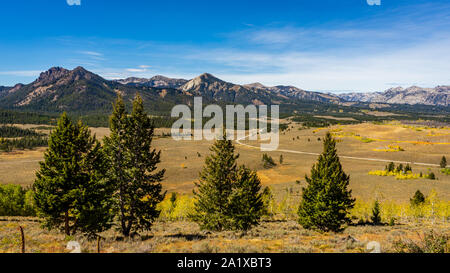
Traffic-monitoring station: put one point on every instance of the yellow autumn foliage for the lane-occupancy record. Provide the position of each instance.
(433, 208)
(179, 210)
(285, 207)
(398, 175)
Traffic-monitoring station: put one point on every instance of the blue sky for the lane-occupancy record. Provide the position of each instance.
(321, 45)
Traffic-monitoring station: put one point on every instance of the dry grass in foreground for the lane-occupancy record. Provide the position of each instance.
(182, 237)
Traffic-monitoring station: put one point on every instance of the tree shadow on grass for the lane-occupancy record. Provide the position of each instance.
(188, 237)
(366, 223)
(134, 237)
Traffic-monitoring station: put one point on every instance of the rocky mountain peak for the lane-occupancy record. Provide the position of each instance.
(159, 78)
(203, 81)
(255, 85)
(132, 80)
(60, 76)
(208, 77)
(51, 75)
(80, 73)
(80, 70)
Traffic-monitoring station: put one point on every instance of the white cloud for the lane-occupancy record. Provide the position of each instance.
(21, 73)
(91, 53)
(140, 69)
(425, 65)
(74, 2)
(359, 56)
(136, 70)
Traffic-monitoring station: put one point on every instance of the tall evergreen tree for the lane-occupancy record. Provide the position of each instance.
(71, 191)
(133, 167)
(390, 167)
(418, 199)
(407, 168)
(326, 200)
(443, 163)
(214, 188)
(227, 196)
(247, 206)
(376, 213)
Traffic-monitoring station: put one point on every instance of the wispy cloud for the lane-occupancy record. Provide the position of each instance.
(91, 53)
(135, 70)
(407, 46)
(140, 69)
(425, 64)
(359, 55)
(21, 73)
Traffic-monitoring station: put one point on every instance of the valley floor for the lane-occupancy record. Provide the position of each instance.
(183, 160)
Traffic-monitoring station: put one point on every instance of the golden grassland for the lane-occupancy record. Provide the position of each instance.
(283, 206)
(279, 233)
(185, 237)
(183, 161)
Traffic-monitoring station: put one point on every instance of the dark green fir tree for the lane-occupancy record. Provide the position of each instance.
(215, 186)
(443, 163)
(132, 168)
(71, 192)
(247, 206)
(376, 213)
(390, 167)
(326, 200)
(418, 199)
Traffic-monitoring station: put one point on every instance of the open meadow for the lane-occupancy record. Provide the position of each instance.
(363, 143)
(363, 148)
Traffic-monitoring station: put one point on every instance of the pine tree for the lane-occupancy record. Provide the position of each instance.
(376, 214)
(281, 160)
(173, 202)
(326, 200)
(407, 168)
(247, 206)
(71, 192)
(227, 197)
(390, 167)
(418, 199)
(443, 163)
(132, 167)
(215, 186)
(268, 161)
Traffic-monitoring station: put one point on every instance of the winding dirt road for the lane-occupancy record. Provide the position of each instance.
(238, 141)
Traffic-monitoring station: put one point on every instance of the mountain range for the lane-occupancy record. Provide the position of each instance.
(212, 88)
(156, 81)
(438, 96)
(78, 90)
